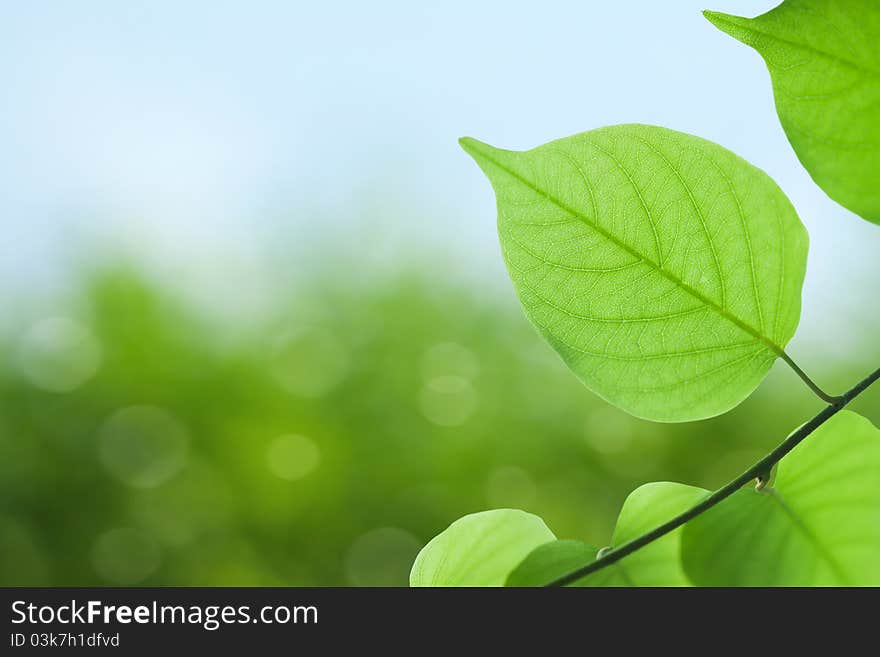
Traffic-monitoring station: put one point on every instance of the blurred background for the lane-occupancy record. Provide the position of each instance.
(256, 329)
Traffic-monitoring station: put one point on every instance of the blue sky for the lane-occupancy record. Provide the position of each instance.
(189, 134)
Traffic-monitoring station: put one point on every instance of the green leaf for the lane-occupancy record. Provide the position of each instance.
(818, 526)
(656, 564)
(664, 269)
(480, 549)
(825, 67)
(550, 561)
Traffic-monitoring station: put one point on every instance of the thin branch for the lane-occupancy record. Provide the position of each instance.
(759, 470)
(821, 394)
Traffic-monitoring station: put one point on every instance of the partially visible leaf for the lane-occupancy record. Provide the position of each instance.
(551, 561)
(656, 564)
(480, 549)
(819, 525)
(825, 67)
(664, 269)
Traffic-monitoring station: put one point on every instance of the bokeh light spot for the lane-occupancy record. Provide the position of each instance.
(310, 363)
(448, 401)
(143, 446)
(510, 487)
(292, 457)
(59, 354)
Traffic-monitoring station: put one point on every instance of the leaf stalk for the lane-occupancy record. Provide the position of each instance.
(821, 394)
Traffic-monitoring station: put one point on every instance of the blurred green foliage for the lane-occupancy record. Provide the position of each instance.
(142, 443)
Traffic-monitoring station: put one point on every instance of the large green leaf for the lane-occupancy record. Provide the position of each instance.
(664, 269)
(656, 564)
(825, 66)
(818, 525)
(479, 549)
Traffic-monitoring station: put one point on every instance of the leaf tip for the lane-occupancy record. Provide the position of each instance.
(735, 26)
(472, 146)
(484, 155)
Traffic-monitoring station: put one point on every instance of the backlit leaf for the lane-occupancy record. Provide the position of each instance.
(819, 525)
(664, 269)
(551, 561)
(824, 63)
(656, 564)
(480, 549)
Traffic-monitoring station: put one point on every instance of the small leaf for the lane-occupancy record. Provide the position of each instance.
(825, 68)
(480, 549)
(819, 525)
(551, 561)
(656, 564)
(664, 269)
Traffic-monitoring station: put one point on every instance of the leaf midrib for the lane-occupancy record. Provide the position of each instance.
(472, 145)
